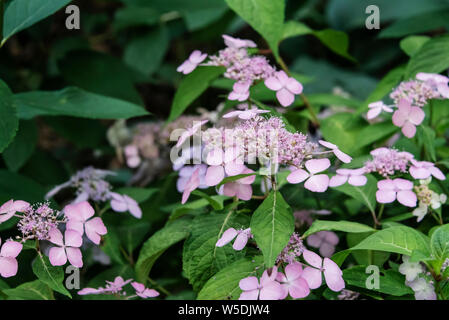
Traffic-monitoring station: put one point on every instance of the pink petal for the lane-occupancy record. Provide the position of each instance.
(407, 198)
(317, 183)
(75, 257)
(327, 249)
(409, 129)
(342, 156)
(317, 165)
(285, 97)
(297, 176)
(416, 115)
(186, 67)
(299, 289)
(312, 258)
(11, 249)
(227, 237)
(328, 144)
(437, 173)
(282, 77)
(20, 206)
(77, 226)
(273, 83)
(135, 210)
(271, 291)
(386, 184)
(399, 118)
(337, 180)
(214, 175)
(313, 277)
(234, 168)
(403, 184)
(419, 173)
(249, 295)
(57, 256)
(215, 157)
(197, 57)
(333, 275)
(150, 293)
(244, 191)
(139, 287)
(293, 271)
(56, 237)
(8, 267)
(230, 189)
(73, 239)
(232, 114)
(294, 86)
(94, 229)
(373, 113)
(385, 196)
(315, 240)
(118, 203)
(249, 283)
(240, 242)
(357, 180)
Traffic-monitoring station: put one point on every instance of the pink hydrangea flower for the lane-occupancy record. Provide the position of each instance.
(192, 184)
(112, 287)
(195, 58)
(400, 189)
(132, 156)
(230, 234)
(354, 177)
(286, 87)
(240, 91)
(9, 208)
(78, 220)
(68, 248)
(292, 282)
(315, 182)
(424, 169)
(186, 172)
(408, 117)
(437, 81)
(325, 241)
(123, 203)
(143, 292)
(222, 164)
(237, 43)
(267, 289)
(8, 254)
(375, 108)
(244, 114)
(313, 275)
(190, 132)
(240, 188)
(338, 153)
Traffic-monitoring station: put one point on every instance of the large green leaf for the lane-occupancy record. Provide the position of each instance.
(201, 257)
(191, 88)
(335, 40)
(412, 44)
(158, 243)
(225, 284)
(365, 194)
(20, 14)
(390, 281)
(272, 225)
(439, 243)
(8, 120)
(74, 102)
(365, 257)
(433, 57)
(16, 186)
(266, 17)
(345, 226)
(50, 275)
(22, 147)
(35, 290)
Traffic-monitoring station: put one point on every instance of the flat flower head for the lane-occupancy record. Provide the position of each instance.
(67, 248)
(292, 282)
(286, 87)
(78, 220)
(354, 177)
(8, 254)
(313, 275)
(397, 189)
(423, 169)
(195, 58)
(408, 117)
(315, 182)
(267, 289)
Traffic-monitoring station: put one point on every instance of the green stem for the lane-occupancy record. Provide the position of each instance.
(155, 284)
(315, 120)
(381, 211)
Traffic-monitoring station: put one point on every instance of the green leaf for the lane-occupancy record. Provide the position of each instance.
(74, 102)
(439, 243)
(138, 194)
(345, 226)
(35, 290)
(365, 194)
(217, 205)
(343, 130)
(21, 14)
(22, 147)
(145, 53)
(426, 138)
(399, 239)
(8, 120)
(433, 57)
(193, 207)
(272, 225)
(224, 284)
(50, 275)
(390, 281)
(16, 186)
(155, 246)
(191, 88)
(335, 40)
(266, 17)
(135, 16)
(412, 44)
(366, 257)
(201, 257)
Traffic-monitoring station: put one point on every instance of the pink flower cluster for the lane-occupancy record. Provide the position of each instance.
(246, 69)
(295, 281)
(409, 98)
(116, 288)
